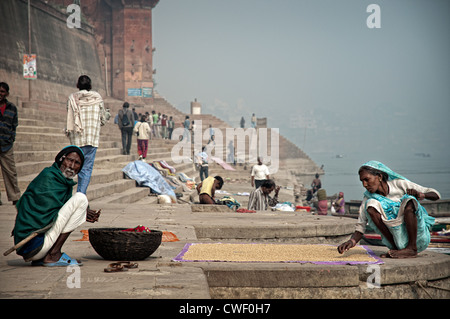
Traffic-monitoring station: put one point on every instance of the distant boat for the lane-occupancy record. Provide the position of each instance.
(423, 154)
(339, 156)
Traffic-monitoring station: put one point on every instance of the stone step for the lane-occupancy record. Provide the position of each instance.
(99, 176)
(39, 130)
(56, 137)
(34, 167)
(97, 191)
(48, 137)
(55, 115)
(22, 146)
(130, 195)
(27, 156)
(33, 122)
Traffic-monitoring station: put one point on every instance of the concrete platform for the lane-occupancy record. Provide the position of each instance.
(158, 277)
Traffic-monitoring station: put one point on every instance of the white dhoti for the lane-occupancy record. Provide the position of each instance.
(70, 216)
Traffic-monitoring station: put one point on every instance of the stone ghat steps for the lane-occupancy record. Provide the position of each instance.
(37, 145)
(37, 121)
(33, 157)
(55, 113)
(40, 136)
(114, 154)
(107, 179)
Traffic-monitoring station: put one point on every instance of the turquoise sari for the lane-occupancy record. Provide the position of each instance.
(391, 209)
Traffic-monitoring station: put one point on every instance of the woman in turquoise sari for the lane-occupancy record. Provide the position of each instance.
(391, 207)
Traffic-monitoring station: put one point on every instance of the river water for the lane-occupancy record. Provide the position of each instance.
(341, 174)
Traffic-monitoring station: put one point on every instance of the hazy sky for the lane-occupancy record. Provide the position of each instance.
(313, 68)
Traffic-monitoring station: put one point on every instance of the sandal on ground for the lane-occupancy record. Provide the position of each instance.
(120, 266)
(129, 265)
(64, 261)
(115, 267)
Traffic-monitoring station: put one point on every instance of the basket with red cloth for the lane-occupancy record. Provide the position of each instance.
(125, 243)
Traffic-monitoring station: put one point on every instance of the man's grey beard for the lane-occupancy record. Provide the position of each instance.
(69, 173)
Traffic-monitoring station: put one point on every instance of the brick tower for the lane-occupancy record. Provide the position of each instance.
(123, 35)
(132, 50)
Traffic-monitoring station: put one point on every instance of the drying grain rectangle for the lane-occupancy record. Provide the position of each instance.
(260, 252)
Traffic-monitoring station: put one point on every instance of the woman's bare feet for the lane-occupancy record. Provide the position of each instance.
(403, 253)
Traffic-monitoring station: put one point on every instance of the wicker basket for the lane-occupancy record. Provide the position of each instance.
(116, 244)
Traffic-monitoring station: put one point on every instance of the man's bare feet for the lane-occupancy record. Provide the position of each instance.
(52, 257)
(403, 253)
(59, 259)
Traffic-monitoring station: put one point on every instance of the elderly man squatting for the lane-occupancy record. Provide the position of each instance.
(48, 202)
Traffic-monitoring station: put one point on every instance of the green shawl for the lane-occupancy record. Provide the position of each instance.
(41, 202)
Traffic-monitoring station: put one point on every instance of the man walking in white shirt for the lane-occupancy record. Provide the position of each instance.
(260, 173)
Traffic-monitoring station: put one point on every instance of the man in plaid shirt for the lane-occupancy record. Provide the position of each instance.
(259, 198)
(85, 116)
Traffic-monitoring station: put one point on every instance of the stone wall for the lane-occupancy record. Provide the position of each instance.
(63, 54)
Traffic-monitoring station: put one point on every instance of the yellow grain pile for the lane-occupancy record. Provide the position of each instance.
(274, 253)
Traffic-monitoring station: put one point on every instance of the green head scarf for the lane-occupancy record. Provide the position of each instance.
(383, 168)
